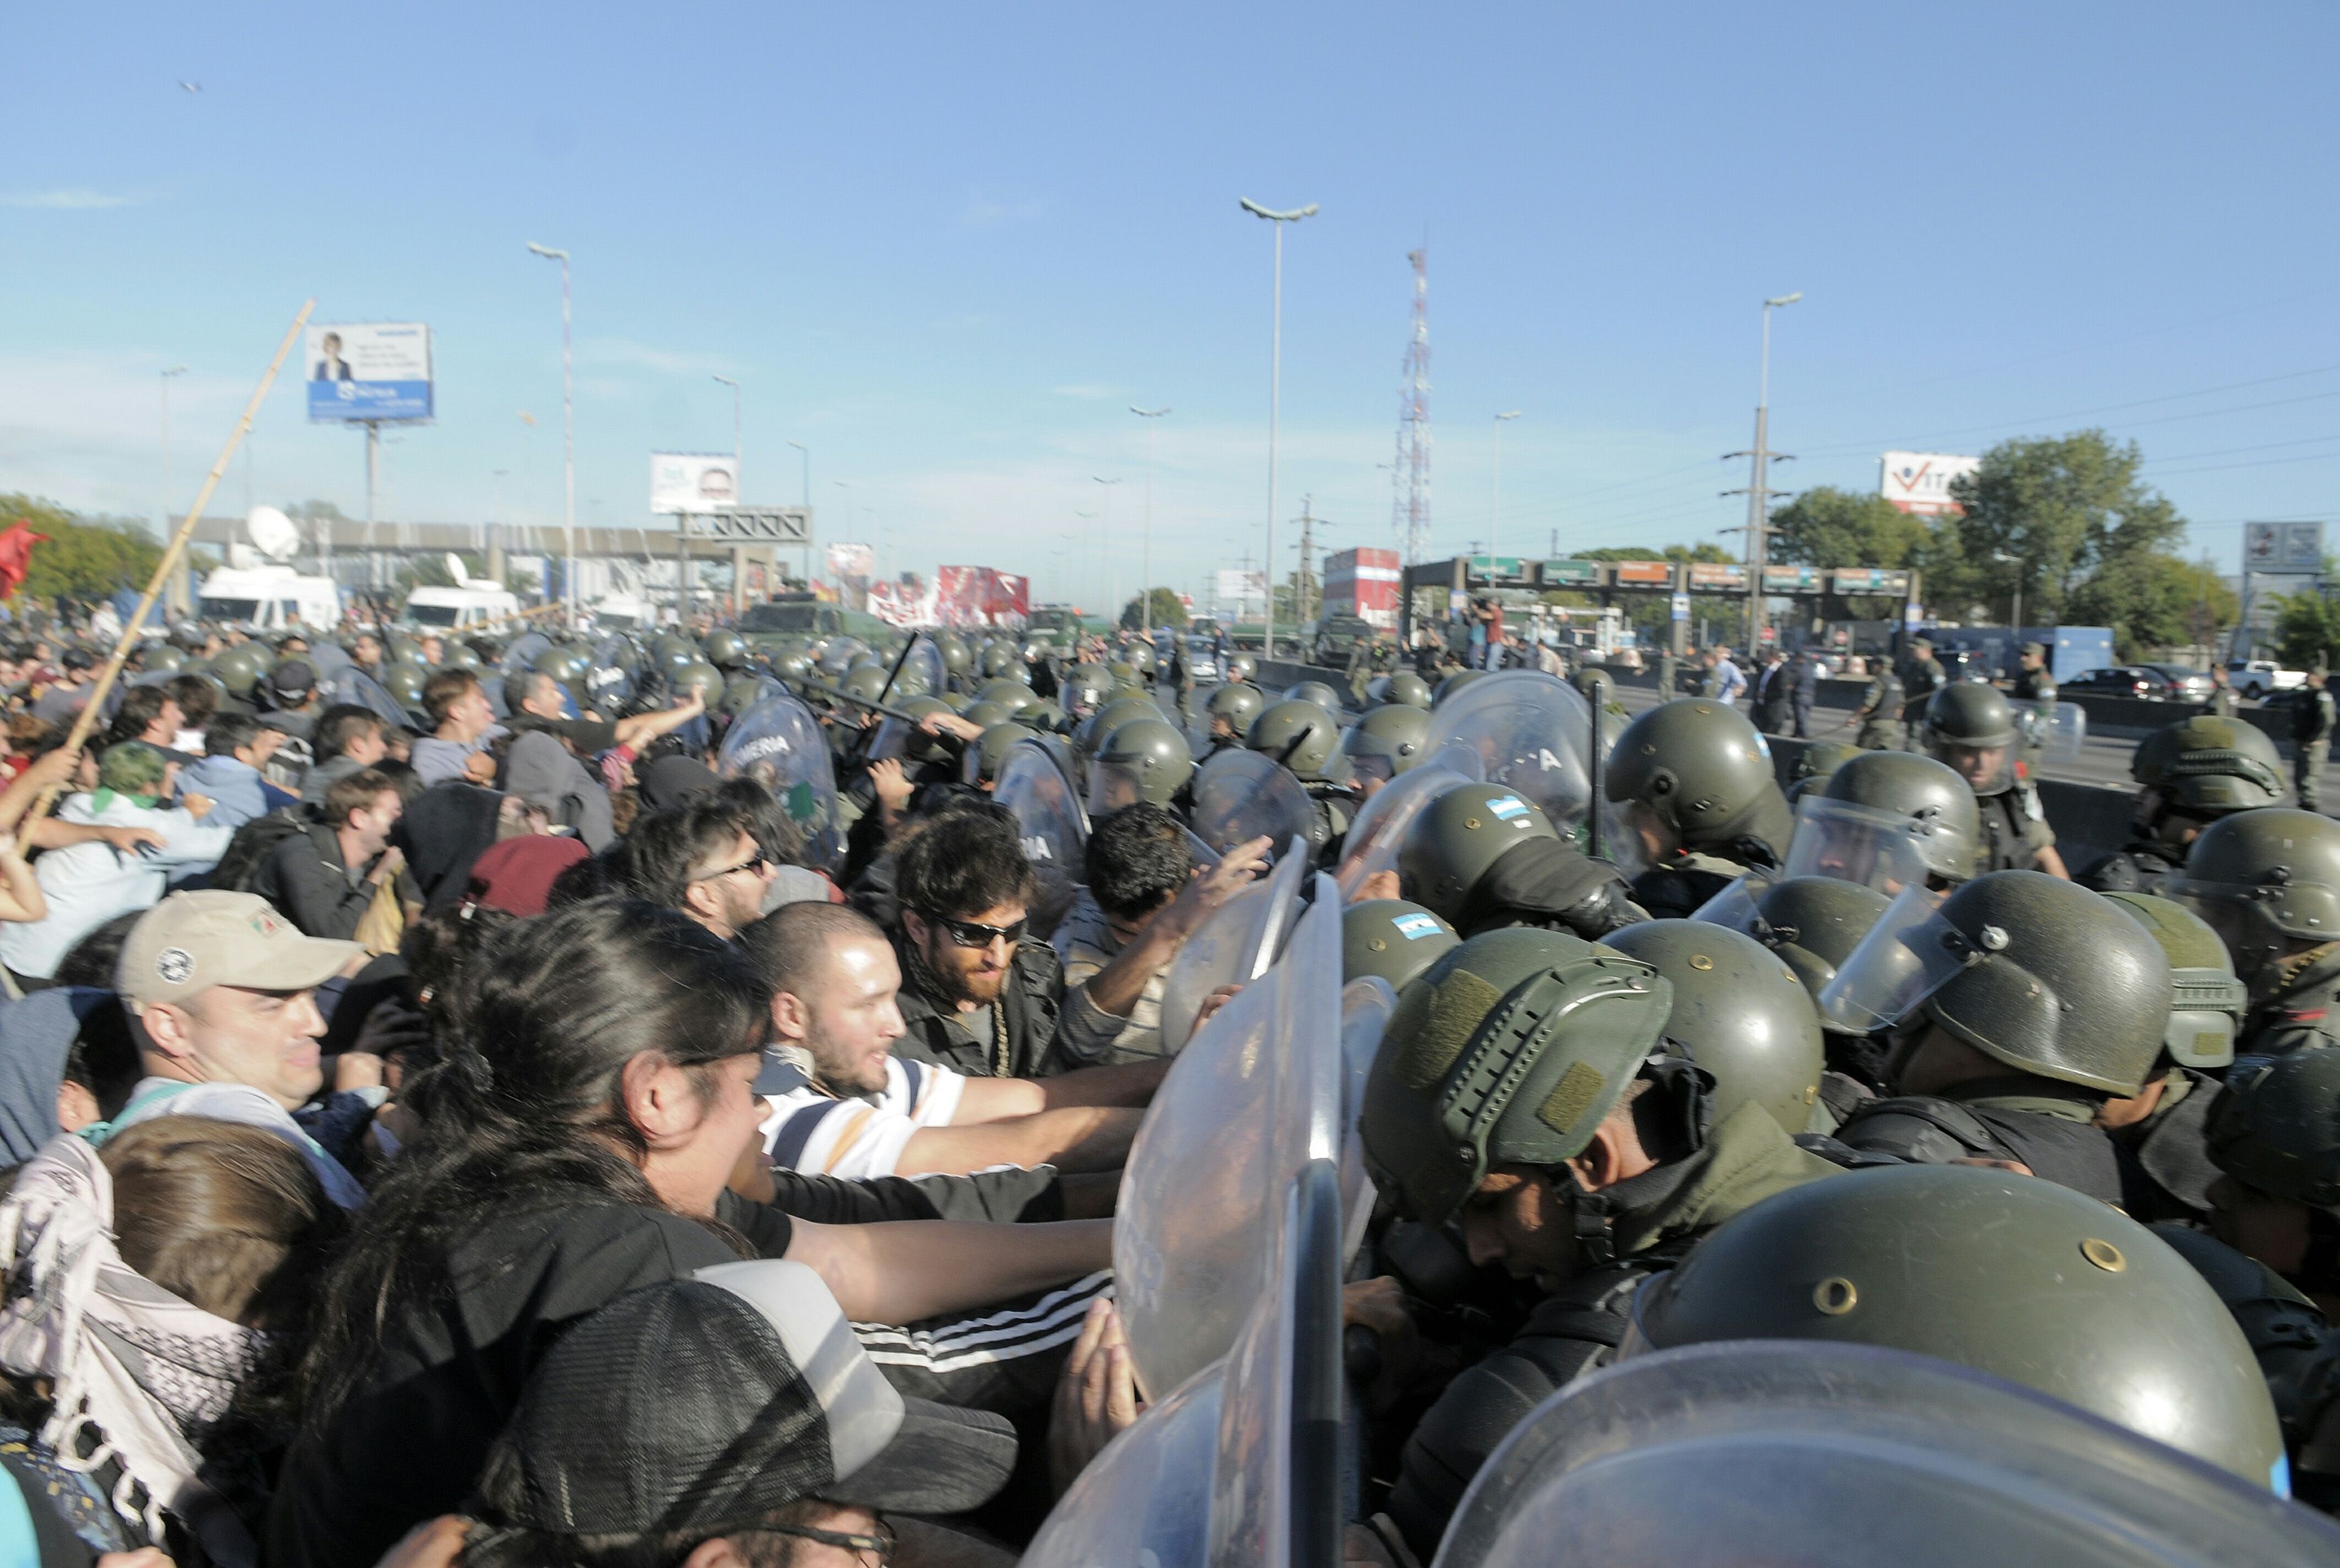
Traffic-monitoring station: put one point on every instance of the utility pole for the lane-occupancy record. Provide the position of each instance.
(807, 453)
(569, 436)
(1275, 388)
(1758, 492)
(1411, 479)
(1112, 568)
(1307, 557)
(1146, 555)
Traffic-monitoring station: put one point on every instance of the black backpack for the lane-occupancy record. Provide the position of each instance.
(253, 843)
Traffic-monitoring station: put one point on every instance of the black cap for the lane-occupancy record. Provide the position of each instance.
(673, 779)
(293, 677)
(78, 659)
(701, 1405)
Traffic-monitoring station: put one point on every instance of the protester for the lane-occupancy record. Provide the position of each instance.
(236, 747)
(346, 737)
(462, 723)
(703, 859)
(328, 876)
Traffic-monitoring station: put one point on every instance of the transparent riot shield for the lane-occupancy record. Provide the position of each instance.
(1848, 1456)
(1255, 1096)
(609, 679)
(2057, 735)
(1242, 795)
(1366, 1004)
(1233, 945)
(1854, 843)
(1738, 906)
(1529, 731)
(1054, 831)
(354, 685)
(1146, 1501)
(1378, 830)
(779, 744)
(922, 673)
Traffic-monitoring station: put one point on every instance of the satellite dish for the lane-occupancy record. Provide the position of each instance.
(455, 567)
(241, 557)
(272, 534)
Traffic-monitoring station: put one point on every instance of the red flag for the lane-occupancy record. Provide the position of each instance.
(16, 555)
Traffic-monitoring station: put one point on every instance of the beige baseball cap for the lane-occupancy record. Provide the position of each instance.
(191, 942)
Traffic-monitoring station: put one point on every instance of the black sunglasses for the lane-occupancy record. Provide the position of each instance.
(755, 862)
(972, 934)
(882, 1543)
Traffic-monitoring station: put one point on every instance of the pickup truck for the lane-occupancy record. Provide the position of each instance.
(2261, 679)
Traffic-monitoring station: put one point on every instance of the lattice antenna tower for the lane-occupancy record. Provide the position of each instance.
(1413, 416)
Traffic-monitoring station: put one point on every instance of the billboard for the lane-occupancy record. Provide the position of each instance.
(1919, 482)
(1244, 593)
(690, 482)
(2293, 548)
(1654, 573)
(1718, 577)
(368, 371)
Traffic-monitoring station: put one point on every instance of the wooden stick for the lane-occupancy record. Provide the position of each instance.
(172, 552)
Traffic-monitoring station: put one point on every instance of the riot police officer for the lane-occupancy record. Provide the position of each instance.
(1393, 939)
(1697, 784)
(2033, 687)
(2269, 882)
(1484, 857)
(2193, 772)
(2275, 1137)
(2162, 1125)
(1881, 708)
(2312, 718)
(1971, 728)
(1597, 1164)
(2017, 1009)
(1306, 738)
(1922, 676)
(1231, 709)
(1384, 743)
(1740, 1014)
(1945, 821)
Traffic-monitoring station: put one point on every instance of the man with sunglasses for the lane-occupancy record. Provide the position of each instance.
(702, 858)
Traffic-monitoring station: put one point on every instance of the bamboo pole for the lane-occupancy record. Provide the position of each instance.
(172, 553)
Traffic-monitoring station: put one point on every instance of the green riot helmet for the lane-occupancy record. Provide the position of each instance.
(701, 677)
(1810, 772)
(1902, 784)
(2206, 1013)
(2276, 1128)
(1232, 706)
(984, 715)
(1455, 683)
(1142, 759)
(863, 682)
(1971, 727)
(670, 652)
(1394, 939)
(1510, 1050)
(980, 764)
(2267, 880)
(916, 744)
(1139, 655)
(1085, 688)
(240, 668)
(956, 660)
(2033, 971)
(1045, 717)
(999, 661)
(561, 663)
(1243, 667)
(794, 664)
(453, 655)
(1386, 742)
(405, 649)
(162, 656)
(1125, 677)
(1301, 736)
(726, 651)
(1406, 687)
(1011, 694)
(2007, 1274)
(1316, 691)
(1594, 681)
(2208, 766)
(740, 694)
(1740, 1012)
(1814, 923)
(1123, 709)
(1703, 773)
(404, 683)
(1457, 838)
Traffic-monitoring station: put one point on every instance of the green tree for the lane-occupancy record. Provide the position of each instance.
(2153, 601)
(2064, 509)
(2306, 628)
(1167, 609)
(1830, 527)
(84, 558)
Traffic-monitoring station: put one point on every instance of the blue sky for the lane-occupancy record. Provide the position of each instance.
(947, 247)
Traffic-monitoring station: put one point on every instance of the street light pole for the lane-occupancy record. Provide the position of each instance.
(568, 430)
(808, 506)
(1145, 553)
(1113, 568)
(726, 381)
(1758, 495)
(1496, 503)
(1275, 391)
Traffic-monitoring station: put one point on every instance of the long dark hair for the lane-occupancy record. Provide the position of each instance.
(522, 1108)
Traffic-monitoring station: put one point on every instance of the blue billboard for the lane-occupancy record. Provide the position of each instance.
(370, 371)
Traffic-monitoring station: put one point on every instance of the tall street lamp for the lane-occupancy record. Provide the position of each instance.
(1112, 561)
(1274, 389)
(568, 427)
(1146, 552)
(1495, 502)
(1759, 496)
(807, 453)
(726, 381)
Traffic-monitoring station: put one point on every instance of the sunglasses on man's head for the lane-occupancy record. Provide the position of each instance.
(755, 862)
(974, 934)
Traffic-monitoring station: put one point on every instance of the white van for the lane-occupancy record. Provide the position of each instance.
(270, 599)
(458, 609)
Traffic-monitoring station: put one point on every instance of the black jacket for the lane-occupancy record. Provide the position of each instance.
(1028, 1005)
(306, 878)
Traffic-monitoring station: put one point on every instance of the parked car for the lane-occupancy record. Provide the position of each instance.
(1334, 636)
(2122, 680)
(2189, 685)
(2262, 678)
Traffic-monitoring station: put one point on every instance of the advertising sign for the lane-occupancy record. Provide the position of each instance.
(1919, 482)
(1718, 576)
(368, 371)
(1655, 573)
(1682, 607)
(1244, 592)
(2295, 548)
(686, 481)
